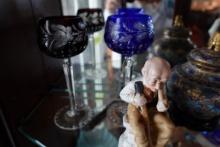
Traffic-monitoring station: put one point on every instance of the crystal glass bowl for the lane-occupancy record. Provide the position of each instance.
(129, 32)
(62, 36)
(93, 17)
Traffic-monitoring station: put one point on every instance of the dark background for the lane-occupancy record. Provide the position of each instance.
(25, 71)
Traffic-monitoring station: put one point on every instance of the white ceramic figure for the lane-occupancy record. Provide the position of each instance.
(138, 94)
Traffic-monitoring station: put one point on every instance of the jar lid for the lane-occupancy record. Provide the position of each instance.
(178, 30)
(208, 59)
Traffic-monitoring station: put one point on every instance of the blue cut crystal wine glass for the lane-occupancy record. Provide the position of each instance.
(129, 32)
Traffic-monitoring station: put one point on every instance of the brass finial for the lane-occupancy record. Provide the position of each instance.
(178, 21)
(214, 42)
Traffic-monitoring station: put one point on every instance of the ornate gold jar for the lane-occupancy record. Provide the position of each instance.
(194, 88)
(175, 43)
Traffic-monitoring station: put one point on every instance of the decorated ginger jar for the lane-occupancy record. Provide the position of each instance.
(194, 88)
(175, 43)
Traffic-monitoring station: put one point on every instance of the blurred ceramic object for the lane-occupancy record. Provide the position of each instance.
(174, 45)
(194, 88)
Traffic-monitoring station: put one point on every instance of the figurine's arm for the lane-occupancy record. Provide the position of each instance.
(128, 95)
(162, 104)
(128, 92)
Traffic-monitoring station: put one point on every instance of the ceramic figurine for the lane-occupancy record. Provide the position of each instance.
(144, 120)
(194, 88)
(175, 43)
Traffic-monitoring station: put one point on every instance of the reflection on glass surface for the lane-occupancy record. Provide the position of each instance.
(98, 137)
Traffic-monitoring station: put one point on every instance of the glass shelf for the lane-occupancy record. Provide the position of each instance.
(105, 128)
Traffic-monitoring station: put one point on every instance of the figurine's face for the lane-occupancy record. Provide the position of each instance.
(156, 72)
(155, 79)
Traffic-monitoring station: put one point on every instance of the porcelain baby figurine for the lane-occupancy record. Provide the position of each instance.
(147, 125)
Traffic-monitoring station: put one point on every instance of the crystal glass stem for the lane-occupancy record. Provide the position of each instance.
(69, 77)
(127, 71)
(92, 44)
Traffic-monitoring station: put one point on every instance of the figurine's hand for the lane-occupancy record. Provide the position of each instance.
(159, 85)
(162, 106)
(139, 100)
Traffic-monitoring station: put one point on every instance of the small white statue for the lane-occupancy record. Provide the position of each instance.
(146, 125)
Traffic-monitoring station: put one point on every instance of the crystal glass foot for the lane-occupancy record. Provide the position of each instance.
(67, 120)
(129, 32)
(94, 19)
(120, 77)
(95, 73)
(64, 37)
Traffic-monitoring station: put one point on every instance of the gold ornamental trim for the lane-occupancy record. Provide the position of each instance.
(178, 21)
(214, 42)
